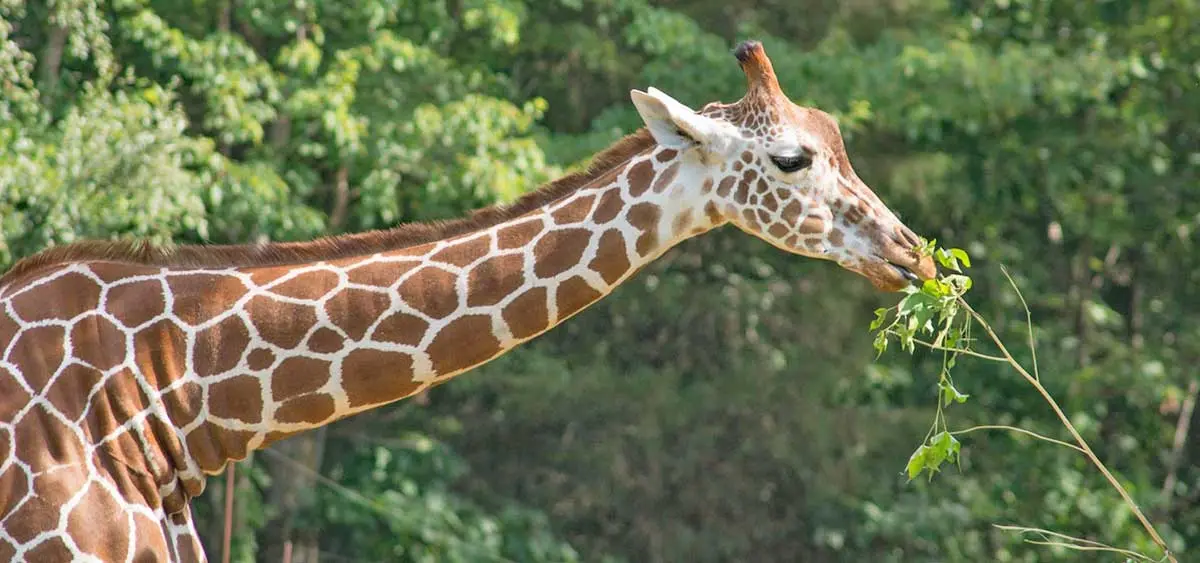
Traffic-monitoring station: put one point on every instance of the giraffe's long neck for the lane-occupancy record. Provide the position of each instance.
(307, 345)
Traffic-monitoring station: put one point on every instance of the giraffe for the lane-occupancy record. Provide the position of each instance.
(129, 372)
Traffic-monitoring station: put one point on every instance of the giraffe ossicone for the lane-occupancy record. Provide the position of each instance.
(128, 373)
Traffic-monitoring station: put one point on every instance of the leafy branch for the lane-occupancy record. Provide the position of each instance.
(937, 308)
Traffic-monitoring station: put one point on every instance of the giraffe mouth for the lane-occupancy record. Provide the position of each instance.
(905, 272)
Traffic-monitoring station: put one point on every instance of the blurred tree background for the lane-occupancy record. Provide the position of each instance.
(724, 405)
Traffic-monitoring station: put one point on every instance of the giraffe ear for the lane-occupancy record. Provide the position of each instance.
(672, 124)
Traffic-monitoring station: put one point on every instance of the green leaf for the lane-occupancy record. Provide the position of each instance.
(947, 260)
(962, 256)
(880, 317)
(946, 446)
(942, 447)
(880, 344)
(950, 394)
(916, 462)
(914, 302)
(937, 453)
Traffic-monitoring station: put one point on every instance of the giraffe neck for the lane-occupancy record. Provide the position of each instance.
(155, 373)
(301, 346)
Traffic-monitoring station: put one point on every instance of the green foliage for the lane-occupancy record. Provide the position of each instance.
(87, 177)
(401, 492)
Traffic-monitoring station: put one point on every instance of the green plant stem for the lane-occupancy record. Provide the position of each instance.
(1083, 445)
(1072, 542)
(1020, 431)
(963, 351)
(1028, 322)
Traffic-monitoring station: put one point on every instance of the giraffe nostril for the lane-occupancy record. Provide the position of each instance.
(905, 236)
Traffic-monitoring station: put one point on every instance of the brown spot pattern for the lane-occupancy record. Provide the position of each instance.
(69, 392)
(220, 347)
(465, 342)
(260, 358)
(609, 207)
(854, 213)
(712, 213)
(574, 212)
(108, 349)
(464, 252)
(426, 291)
(238, 397)
(725, 186)
(574, 294)
(352, 308)
(38, 353)
(644, 217)
(791, 213)
(527, 315)
(494, 279)
(558, 251)
(663, 181)
(134, 303)
(836, 237)
(325, 341)
(516, 236)
(298, 375)
(97, 506)
(743, 188)
(639, 177)
(309, 285)
(812, 225)
(200, 297)
(12, 399)
(401, 328)
(682, 221)
(769, 201)
(310, 409)
(611, 261)
(63, 298)
(380, 274)
(377, 375)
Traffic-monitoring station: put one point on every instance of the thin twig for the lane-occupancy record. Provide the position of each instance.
(1087, 450)
(1181, 433)
(1048, 533)
(1075, 543)
(966, 351)
(1076, 547)
(1028, 322)
(1021, 431)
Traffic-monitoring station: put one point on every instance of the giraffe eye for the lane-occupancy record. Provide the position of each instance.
(793, 163)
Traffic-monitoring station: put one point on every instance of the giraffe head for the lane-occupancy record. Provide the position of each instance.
(780, 172)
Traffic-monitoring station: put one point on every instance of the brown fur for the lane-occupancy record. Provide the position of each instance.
(329, 248)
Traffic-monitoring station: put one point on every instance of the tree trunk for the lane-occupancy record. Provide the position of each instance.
(293, 467)
(50, 62)
(1081, 293)
(225, 17)
(341, 200)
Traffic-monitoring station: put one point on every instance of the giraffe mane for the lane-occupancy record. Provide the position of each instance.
(143, 252)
